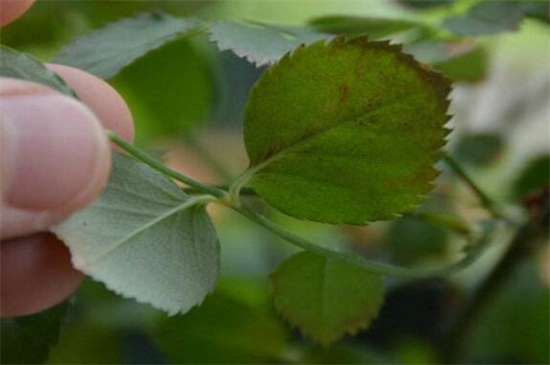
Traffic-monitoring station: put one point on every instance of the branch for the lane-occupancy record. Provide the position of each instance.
(385, 269)
(486, 201)
(144, 157)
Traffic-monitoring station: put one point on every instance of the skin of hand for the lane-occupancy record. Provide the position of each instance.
(54, 160)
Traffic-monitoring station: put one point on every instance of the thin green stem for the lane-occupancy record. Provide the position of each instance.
(238, 185)
(487, 202)
(246, 191)
(144, 157)
(378, 267)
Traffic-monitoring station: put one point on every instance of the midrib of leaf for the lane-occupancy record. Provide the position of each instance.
(252, 170)
(189, 203)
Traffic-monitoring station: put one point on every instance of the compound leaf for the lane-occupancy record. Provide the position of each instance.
(22, 66)
(144, 238)
(259, 43)
(326, 298)
(347, 131)
(106, 51)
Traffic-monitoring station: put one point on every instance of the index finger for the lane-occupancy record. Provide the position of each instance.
(13, 9)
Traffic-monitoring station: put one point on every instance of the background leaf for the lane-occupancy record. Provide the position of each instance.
(224, 330)
(462, 61)
(144, 238)
(425, 4)
(25, 67)
(345, 132)
(480, 149)
(28, 339)
(87, 345)
(259, 43)
(533, 178)
(513, 328)
(487, 17)
(375, 28)
(106, 51)
(177, 93)
(326, 298)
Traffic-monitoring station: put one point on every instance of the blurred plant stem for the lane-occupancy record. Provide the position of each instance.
(486, 201)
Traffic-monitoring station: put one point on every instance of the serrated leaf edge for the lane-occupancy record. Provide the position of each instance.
(325, 341)
(89, 38)
(444, 87)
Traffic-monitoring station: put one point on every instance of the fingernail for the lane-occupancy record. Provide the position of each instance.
(53, 147)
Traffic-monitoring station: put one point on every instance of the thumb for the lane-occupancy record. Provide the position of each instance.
(55, 157)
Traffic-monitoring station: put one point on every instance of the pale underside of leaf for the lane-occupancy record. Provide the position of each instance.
(325, 298)
(261, 44)
(346, 132)
(145, 239)
(106, 51)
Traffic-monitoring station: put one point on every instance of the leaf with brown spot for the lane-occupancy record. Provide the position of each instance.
(332, 125)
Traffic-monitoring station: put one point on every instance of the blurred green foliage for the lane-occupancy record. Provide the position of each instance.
(28, 339)
(514, 328)
(224, 329)
(170, 90)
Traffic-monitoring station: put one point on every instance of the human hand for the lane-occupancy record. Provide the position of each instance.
(54, 160)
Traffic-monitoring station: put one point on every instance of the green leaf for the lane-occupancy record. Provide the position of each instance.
(87, 344)
(326, 298)
(345, 132)
(28, 340)
(463, 61)
(534, 177)
(538, 9)
(480, 149)
(107, 51)
(424, 4)
(160, 114)
(259, 43)
(343, 353)
(232, 331)
(487, 17)
(144, 238)
(411, 240)
(354, 25)
(25, 67)
(513, 326)
(471, 65)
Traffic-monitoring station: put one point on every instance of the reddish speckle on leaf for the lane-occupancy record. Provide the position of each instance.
(344, 92)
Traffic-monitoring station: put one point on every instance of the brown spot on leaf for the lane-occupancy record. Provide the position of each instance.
(345, 91)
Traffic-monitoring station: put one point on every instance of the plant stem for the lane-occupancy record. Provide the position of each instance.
(246, 191)
(487, 202)
(378, 267)
(144, 157)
